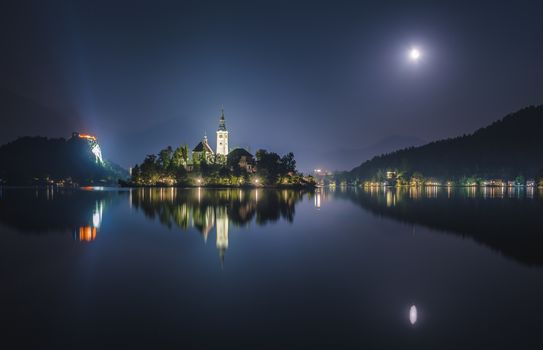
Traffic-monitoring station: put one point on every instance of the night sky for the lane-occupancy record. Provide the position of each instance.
(330, 81)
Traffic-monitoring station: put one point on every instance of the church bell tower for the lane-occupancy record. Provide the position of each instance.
(222, 139)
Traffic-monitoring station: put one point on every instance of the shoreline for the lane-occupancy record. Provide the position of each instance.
(294, 186)
(424, 186)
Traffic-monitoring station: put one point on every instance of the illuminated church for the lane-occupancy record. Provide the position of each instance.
(203, 150)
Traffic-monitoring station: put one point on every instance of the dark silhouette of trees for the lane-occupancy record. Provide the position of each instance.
(506, 149)
(268, 166)
(165, 158)
(274, 169)
(289, 163)
(180, 156)
(40, 160)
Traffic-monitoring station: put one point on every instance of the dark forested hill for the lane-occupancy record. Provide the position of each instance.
(23, 116)
(510, 147)
(38, 160)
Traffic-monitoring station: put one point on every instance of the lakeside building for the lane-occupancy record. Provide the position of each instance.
(493, 183)
(392, 175)
(203, 152)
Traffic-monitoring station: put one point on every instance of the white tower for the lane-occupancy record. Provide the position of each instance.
(222, 138)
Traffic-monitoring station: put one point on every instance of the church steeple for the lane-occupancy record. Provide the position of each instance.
(222, 140)
(222, 124)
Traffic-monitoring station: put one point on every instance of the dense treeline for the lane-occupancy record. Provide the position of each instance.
(40, 160)
(174, 168)
(508, 149)
(167, 167)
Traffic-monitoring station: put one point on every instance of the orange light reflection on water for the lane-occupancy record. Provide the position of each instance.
(87, 234)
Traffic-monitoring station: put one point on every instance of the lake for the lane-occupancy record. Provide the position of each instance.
(356, 268)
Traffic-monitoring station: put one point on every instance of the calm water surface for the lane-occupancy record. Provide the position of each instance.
(200, 268)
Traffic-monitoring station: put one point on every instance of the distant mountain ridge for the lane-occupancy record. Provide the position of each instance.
(40, 160)
(510, 147)
(344, 158)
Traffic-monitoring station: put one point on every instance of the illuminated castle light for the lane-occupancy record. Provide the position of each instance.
(93, 144)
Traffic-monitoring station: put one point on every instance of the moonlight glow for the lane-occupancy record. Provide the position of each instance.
(414, 54)
(413, 314)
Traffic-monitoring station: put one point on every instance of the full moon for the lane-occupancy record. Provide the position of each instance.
(413, 314)
(414, 54)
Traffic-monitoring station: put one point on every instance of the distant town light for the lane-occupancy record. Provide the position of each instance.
(318, 200)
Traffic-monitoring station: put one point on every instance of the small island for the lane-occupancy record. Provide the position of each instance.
(220, 168)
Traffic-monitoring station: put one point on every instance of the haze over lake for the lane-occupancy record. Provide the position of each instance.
(208, 268)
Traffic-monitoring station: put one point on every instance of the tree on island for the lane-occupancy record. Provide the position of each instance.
(165, 158)
(180, 156)
(275, 169)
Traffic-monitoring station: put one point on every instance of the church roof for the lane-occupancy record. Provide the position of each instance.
(201, 146)
(238, 152)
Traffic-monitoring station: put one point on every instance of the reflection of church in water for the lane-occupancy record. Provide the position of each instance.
(199, 215)
(215, 211)
(214, 217)
(198, 210)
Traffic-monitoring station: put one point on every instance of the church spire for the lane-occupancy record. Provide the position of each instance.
(222, 124)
